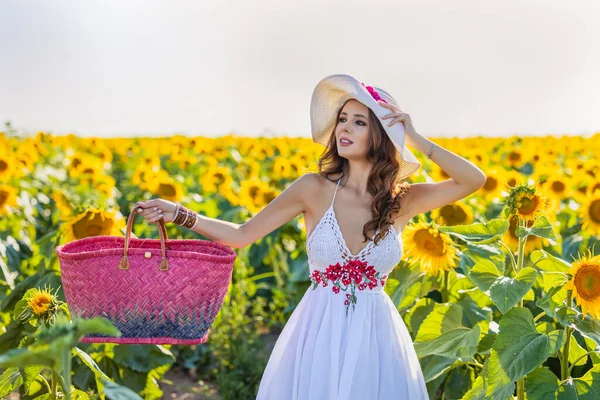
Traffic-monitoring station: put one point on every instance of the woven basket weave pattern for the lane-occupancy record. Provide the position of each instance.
(174, 306)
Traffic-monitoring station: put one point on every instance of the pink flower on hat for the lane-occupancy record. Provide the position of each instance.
(374, 93)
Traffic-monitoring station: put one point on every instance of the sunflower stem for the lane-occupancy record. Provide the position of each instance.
(445, 292)
(521, 389)
(513, 262)
(564, 360)
(522, 241)
(520, 260)
(537, 317)
(54, 388)
(45, 381)
(576, 361)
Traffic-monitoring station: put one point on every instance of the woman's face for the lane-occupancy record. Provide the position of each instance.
(353, 124)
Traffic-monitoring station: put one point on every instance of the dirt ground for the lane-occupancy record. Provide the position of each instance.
(177, 384)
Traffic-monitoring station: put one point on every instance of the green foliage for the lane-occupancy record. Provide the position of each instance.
(235, 344)
(500, 324)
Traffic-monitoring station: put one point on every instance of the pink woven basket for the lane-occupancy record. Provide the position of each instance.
(155, 291)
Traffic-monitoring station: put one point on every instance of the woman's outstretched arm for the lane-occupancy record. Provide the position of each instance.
(285, 207)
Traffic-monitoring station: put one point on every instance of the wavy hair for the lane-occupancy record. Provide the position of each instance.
(383, 183)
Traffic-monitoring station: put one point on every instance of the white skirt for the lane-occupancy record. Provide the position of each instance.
(324, 354)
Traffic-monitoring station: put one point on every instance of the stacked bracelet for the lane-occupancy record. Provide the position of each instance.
(185, 217)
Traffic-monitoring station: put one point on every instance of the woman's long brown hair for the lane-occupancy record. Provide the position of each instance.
(383, 184)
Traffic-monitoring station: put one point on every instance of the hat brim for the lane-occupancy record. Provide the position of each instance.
(332, 92)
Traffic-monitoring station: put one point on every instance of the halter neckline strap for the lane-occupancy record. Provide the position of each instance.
(335, 191)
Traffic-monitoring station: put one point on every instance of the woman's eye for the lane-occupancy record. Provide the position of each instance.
(362, 123)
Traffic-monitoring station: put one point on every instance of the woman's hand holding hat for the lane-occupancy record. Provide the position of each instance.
(155, 209)
(399, 116)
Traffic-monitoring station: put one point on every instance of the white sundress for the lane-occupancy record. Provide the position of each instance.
(333, 348)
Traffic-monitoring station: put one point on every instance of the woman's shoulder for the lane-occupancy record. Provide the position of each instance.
(318, 181)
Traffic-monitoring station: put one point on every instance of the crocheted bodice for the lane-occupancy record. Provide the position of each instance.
(326, 246)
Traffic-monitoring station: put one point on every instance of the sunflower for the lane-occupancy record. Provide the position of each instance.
(592, 187)
(585, 284)
(88, 169)
(62, 201)
(24, 162)
(168, 189)
(475, 155)
(218, 149)
(92, 222)
(456, 213)
(145, 177)
(38, 304)
(298, 166)
(255, 194)
(493, 184)
(269, 195)
(260, 149)
(249, 169)
(576, 165)
(589, 212)
(526, 201)
(8, 198)
(511, 178)
(284, 146)
(432, 248)
(215, 179)
(559, 186)
(510, 238)
(281, 167)
(105, 185)
(7, 167)
(514, 158)
(582, 184)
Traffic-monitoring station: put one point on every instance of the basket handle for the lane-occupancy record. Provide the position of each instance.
(164, 265)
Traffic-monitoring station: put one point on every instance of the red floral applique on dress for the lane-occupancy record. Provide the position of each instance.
(353, 274)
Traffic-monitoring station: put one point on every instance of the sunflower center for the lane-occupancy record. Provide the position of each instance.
(219, 177)
(528, 205)
(453, 214)
(166, 189)
(254, 191)
(3, 197)
(595, 211)
(490, 184)
(558, 187)
(92, 226)
(39, 304)
(268, 196)
(429, 243)
(587, 282)
(3, 165)
(514, 156)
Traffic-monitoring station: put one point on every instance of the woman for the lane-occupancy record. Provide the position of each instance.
(345, 338)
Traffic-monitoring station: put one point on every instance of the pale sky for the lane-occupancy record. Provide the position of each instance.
(459, 68)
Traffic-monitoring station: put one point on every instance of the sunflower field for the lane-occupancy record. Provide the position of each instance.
(500, 291)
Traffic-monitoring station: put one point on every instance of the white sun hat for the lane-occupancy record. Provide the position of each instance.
(333, 91)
